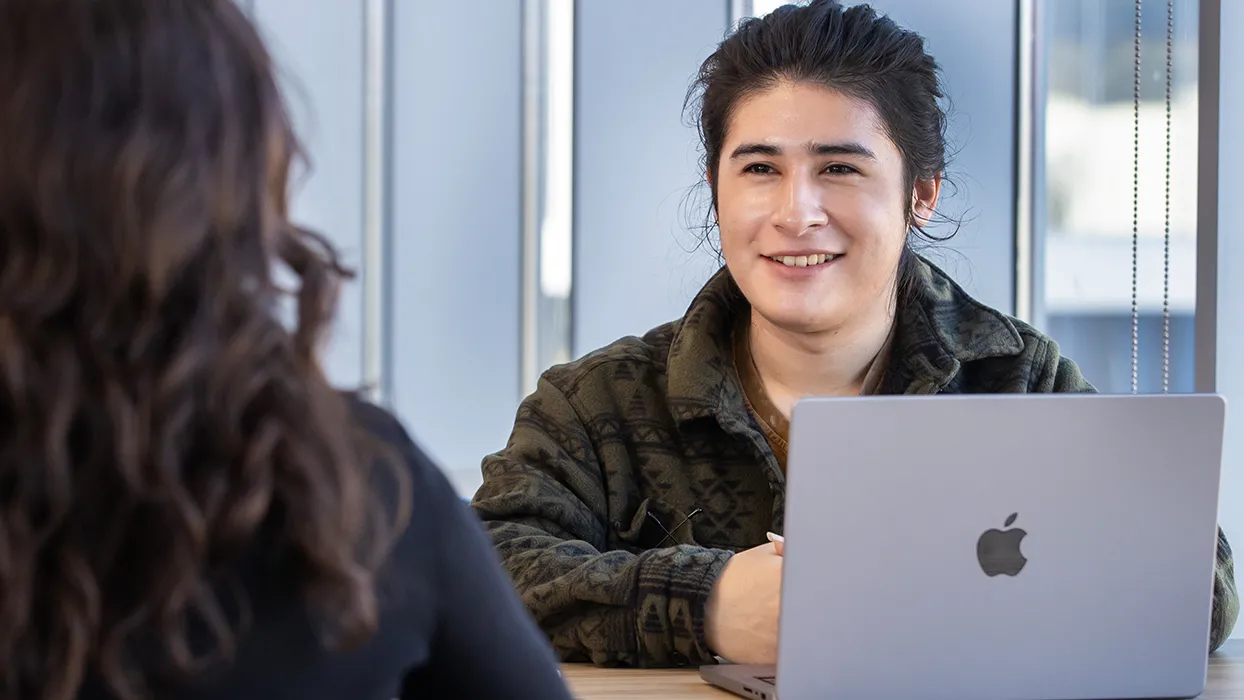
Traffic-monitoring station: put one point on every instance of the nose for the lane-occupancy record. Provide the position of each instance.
(799, 208)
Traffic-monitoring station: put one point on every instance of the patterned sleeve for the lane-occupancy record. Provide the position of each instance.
(544, 503)
(1226, 599)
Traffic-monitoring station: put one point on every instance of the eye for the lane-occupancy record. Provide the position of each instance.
(759, 169)
(840, 169)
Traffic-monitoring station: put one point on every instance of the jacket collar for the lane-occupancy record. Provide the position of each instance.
(940, 327)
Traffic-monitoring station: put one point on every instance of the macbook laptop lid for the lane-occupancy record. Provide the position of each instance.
(1015, 546)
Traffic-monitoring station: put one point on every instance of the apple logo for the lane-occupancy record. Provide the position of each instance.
(998, 550)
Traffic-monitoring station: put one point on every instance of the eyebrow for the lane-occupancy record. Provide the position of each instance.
(846, 148)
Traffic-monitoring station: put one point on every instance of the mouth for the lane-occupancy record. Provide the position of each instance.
(804, 260)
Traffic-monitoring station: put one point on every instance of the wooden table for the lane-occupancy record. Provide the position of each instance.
(1226, 681)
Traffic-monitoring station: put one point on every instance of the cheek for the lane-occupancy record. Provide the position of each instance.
(735, 240)
(740, 219)
(877, 226)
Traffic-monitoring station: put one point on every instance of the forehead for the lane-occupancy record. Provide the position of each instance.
(800, 112)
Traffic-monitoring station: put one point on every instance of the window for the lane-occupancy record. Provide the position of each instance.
(1084, 249)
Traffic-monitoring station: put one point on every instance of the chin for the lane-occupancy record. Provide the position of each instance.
(801, 320)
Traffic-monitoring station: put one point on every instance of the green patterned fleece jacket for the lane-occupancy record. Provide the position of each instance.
(587, 505)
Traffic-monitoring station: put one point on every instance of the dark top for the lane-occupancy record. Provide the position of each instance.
(451, 625)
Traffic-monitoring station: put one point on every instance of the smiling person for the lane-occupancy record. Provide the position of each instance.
(632, 501)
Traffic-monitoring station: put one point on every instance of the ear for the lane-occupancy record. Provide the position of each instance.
(924, 196)
(708, 176)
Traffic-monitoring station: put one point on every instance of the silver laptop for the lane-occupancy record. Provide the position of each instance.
(1037, 547)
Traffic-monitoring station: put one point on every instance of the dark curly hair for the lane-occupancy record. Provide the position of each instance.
(161, 416)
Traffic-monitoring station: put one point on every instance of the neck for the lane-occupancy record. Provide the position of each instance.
(793, 365)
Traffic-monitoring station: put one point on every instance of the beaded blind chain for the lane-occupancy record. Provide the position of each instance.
(1166, 237)
(1135, 198)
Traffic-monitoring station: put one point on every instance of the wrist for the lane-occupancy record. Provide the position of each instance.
(712, 614)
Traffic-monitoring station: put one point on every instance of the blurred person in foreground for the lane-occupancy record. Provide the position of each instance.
(188, 509)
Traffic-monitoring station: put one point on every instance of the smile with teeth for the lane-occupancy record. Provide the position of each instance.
(802, 260)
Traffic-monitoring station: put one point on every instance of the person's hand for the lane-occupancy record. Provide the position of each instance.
(741, 617)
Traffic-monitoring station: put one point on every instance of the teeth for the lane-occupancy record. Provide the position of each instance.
(803, 260)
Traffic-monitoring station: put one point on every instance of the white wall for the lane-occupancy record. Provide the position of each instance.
(456, 226)
(636, 160)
